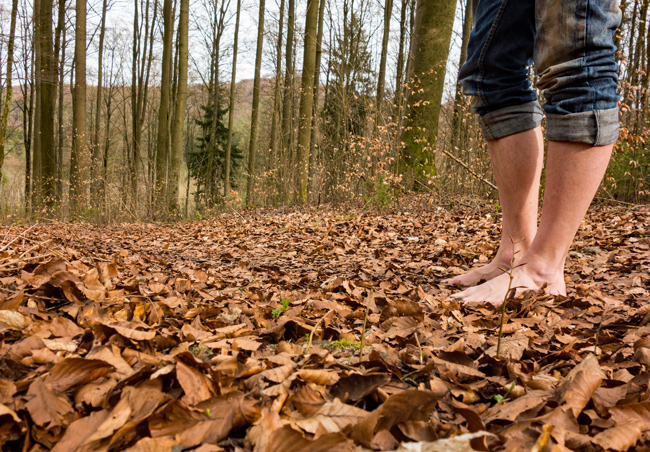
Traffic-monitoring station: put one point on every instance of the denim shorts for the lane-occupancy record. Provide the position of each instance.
(571, 45)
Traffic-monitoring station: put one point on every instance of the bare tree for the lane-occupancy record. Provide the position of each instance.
(306, 100)
(381, 82)
(162, 143)
(96, 166)
(180, 107)
(287, 101)
(9, 88)
(231, 108)
(45, 193)
(255, 114)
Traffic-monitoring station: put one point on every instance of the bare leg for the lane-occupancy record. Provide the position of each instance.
(517, 162)
(573, 174)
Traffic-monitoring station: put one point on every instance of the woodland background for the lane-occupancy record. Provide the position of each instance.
(125, 110)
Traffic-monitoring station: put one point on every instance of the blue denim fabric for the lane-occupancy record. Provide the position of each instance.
(570, 43)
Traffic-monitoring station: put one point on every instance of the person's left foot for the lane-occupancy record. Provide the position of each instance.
(525, 277)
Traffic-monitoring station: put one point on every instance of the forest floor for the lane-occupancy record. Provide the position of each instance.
(318, 329)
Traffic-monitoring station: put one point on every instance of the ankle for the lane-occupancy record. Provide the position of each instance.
(506, 253)
(541, 269)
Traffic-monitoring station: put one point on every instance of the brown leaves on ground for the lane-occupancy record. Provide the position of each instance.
(195, 336)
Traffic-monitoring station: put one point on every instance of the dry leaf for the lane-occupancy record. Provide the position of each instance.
(14, 320)
(332, 417)
(620, 437)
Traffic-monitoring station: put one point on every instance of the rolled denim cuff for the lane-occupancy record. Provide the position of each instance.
(596, 128)
(510, 120)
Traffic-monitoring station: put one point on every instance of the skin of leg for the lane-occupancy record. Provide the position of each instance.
(573, 173)
(517, 163)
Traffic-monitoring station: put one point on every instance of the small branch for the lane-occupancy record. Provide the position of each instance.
(363, 330)
(509, 293)
(18, 236)
(313, 330)
(419, 347)
(240, 215)
(469, 170)
(600, 327)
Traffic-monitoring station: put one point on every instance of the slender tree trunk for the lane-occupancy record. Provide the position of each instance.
(37, 180)
(163, 110)
(457, 117)
(140, 90)
(9, 88)
(315, 136)
(399, 79)
(81, 157)
(231, 108)
(135, 113)
(287, 102)
(97, 166)
(60, 52)
(252, 148)
(215, 96)
(381, 82)
(273, 144)
(180, 106)
(307, 100)
(47, 97)
(28, 121)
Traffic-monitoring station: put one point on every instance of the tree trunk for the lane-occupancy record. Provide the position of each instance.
(80, 159)
(10, 62)
(231, 108)
(388, 11)
(163, 110)
(287, 102)
(430, 48)
(306, 100)
(139, 91)
(180, 106)
(97, 162)
(276, 92)
(46, 108)
(314, 144)
(457, 117)
(252, 148)
(399, 79)
(27, 90)
(60, 49)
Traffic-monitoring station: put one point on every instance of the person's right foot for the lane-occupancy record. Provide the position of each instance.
(485, 273)
(524, 277)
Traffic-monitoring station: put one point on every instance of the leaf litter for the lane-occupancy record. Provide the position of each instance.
(248, 335)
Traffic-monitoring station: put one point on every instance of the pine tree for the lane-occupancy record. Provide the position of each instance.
(206, 150)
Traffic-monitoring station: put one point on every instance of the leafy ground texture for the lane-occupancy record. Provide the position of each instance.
(317, 329)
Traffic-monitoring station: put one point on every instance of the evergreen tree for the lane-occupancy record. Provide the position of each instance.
(212, 149)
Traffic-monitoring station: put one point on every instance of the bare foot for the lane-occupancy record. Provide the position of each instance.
(525, 277)
(485, 273)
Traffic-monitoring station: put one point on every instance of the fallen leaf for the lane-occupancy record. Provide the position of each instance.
(73, 372)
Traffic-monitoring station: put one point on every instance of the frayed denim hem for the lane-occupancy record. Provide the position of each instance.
(510, 120)
(595, 128)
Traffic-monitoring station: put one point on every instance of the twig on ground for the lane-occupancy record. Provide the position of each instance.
(419, 347)
(509, 293)
(363, 330)
(600, 327)
(7, 234)
(240, 215)
(315, 327)
(18, 236)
